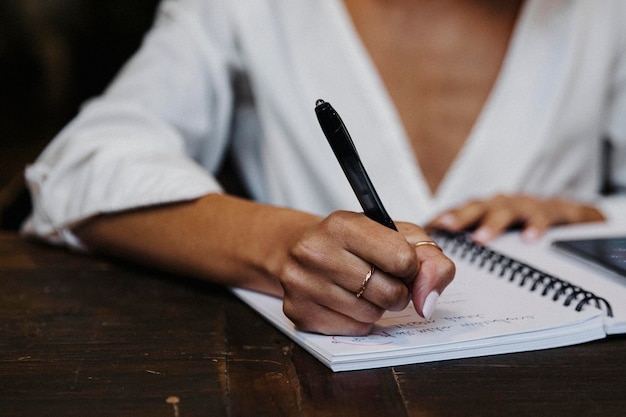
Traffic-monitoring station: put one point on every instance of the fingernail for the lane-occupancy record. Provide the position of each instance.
(530, 235)
(429, 305)
(482, 235)
(447, 220)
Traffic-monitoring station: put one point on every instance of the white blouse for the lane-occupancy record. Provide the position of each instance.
(161, 129)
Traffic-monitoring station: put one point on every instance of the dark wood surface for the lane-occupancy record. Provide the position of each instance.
(86, 337)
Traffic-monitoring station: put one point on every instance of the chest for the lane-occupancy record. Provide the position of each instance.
(439, 62)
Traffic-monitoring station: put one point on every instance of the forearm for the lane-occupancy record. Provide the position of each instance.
(316, 265)
(219, 238)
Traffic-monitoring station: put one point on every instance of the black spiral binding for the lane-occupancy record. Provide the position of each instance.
(461, 246)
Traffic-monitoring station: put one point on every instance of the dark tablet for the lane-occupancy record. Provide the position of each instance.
(608, 253)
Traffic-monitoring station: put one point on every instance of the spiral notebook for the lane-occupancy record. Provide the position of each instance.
(496, 304)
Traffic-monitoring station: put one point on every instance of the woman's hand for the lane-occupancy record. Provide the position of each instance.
(491, 217)
(326, 268)
(317, 265)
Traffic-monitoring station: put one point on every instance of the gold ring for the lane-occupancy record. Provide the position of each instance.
(427, 243)
(365, 281)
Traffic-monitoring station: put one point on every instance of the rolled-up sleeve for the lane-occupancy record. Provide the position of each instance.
(153, 137)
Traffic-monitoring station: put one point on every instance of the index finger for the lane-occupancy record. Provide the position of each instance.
(388, 249)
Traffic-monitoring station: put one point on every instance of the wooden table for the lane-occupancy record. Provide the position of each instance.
(86, 337)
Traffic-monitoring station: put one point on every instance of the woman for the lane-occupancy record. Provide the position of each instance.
(501, 103)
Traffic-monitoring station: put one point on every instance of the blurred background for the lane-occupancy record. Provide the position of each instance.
(55, 54)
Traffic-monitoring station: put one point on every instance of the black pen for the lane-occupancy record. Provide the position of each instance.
(343, 147)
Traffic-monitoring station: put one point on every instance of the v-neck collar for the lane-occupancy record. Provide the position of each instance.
(398, 146)
(518, 111)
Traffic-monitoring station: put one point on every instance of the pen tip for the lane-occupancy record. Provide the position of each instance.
(319, 101)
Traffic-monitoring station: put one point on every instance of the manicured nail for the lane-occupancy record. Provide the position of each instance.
(482, 235)
(447, 220)
(429, 305)
(531, 234)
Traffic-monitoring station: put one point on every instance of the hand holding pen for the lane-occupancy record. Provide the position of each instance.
(345, 272)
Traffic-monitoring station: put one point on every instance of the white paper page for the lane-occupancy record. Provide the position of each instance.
(604, 284)
(478, 314)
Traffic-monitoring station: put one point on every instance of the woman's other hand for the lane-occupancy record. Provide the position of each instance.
(491, 217)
